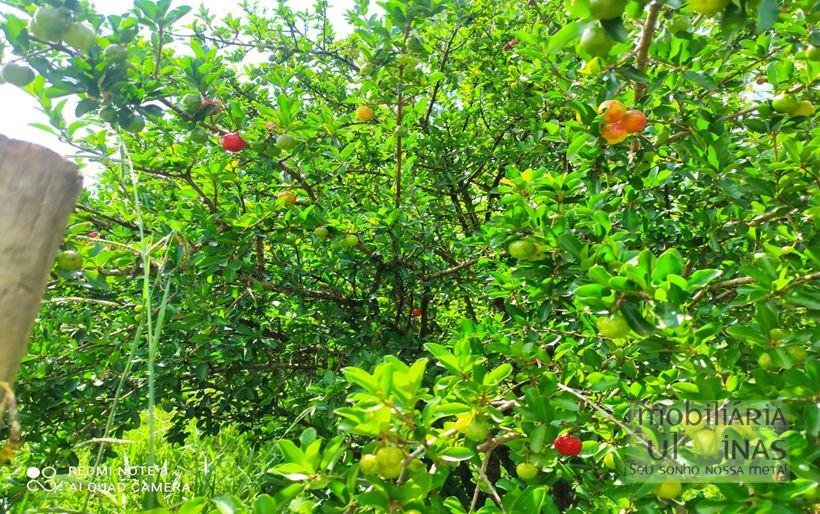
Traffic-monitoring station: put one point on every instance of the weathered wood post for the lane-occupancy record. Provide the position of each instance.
(38, 189)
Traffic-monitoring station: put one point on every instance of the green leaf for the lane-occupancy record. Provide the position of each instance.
(701, 78)
(193, 506)
(228, 504)
(494, 377)
(632, 73)
(767, 11)
(669, 262)
(616, 29)
(264, 504)
(702, 277)
(561, 39)
(290, 452)
(456, 454)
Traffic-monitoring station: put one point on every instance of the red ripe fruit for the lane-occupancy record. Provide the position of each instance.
(210, 101)
(567, 445)
(613, 110)
(512, 43)
(233, 142)
(416, 313)
(613, 133)
(634, 121)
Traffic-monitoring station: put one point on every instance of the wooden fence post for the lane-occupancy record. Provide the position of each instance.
(38, 189)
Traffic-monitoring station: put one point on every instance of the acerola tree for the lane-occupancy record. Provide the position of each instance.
(280, 308)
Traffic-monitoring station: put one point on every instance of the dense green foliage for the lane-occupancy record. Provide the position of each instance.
(422, 332)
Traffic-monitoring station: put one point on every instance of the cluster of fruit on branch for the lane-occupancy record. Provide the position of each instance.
(620, 122)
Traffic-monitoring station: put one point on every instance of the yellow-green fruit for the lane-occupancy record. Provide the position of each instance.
(49, 23)
(813, 53)
(135, 124)
(389, 461)
(350, 241)
(414, 43)
(668, 490)
(613, 327)
(606, 9)
(708, 7)
(776, 334)
(368, 464)
(108, 113)
(322, 232)
(798, 354)
(784, 103)
(803, 108)
(596, 41)
(462, 422)
(80, 36)
(115, 53)
(17, 74)
(705, 442)
(609, 461)
(477, 430)
(765, 361)
(199, 135)
(522, 249)
(526, 471)
(70, 260)
(285, 142)
(191, 102)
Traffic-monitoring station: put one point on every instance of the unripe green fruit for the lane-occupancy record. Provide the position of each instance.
(321, 232)
(613, 327)
(190, 103)
(813, 53)
(668, 490)
(596, 41)
(607, 9)
(477, 431)
(708, 7)
(389, 461)
(526, 471)
(705, 442)
(80, 36)
(49, 23)
(350, 241)
(798, 354)
(414, 44)
(199, 135)
(401, 131)
(803, 109)
(17, 74)
(776, 334)
(784, 103)
(135, 124)
(522, 249)
(765, 361)
(69, 260)
(108, 114)
(679, 23)
(368, 464)
(285, 142)
(115, 53)
(609, 461)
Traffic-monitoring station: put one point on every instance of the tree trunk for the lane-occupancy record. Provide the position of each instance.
(37, 193)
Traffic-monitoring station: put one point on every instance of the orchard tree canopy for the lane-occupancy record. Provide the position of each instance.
(417, 235)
